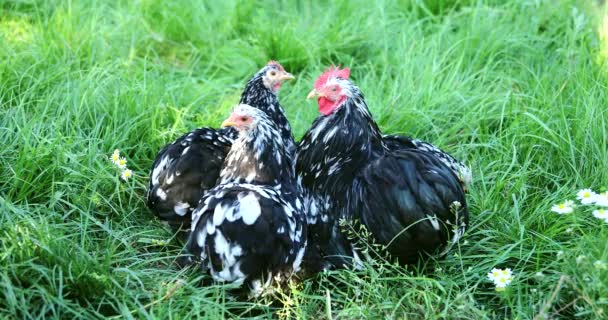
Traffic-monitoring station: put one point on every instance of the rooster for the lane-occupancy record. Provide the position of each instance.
(189, 167)
(406, 196)
(250, 229)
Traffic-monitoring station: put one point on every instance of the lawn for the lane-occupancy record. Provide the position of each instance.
(517, 89)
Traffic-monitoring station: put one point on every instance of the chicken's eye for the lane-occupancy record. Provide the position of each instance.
(334, 89)
(273, 73)
(244, 119)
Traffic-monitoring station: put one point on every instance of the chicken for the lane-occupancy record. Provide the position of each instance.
(189, 167)
(406, 197)
(250, 229)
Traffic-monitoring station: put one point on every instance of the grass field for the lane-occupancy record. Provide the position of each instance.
(516, 89)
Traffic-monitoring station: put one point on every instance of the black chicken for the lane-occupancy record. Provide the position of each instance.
(250, 229)
(187, 168)
(406, 197)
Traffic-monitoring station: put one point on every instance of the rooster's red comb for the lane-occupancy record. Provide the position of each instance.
(330, 73)
(276, 64)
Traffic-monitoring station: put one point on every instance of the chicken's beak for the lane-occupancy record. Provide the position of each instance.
(314, 93)
(286, 76)
(228, 123)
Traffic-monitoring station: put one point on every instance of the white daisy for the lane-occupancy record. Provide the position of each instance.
(601, 199)
(501, 278)
(121, 163)
(115, 156)
(586, 196)
(564, 207)
(502, 282)
(601, 214)
(126, 174)
(494, 274)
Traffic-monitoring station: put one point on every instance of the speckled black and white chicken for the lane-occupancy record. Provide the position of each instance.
(408, 194)
(250, 229)
(187, 168)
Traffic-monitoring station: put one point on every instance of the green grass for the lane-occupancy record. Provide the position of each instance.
(517, 89)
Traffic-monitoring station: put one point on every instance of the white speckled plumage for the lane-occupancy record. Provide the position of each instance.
(247, 228)
(187, 168)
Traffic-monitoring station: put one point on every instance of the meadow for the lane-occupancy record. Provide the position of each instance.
(516, 89)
